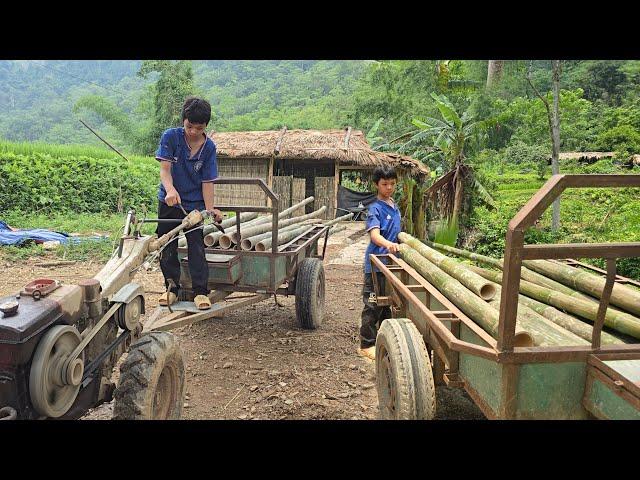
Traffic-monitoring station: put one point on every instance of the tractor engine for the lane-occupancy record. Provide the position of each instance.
(39, 329)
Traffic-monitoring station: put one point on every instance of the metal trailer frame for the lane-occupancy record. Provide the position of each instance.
(466, 356)
(291, 254)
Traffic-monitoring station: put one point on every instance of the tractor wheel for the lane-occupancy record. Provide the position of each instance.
(151, 384)
(310, 293)
(404, 379)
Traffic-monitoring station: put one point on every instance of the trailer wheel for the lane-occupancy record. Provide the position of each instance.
(151, 384)
(310, 293)
(404, 379)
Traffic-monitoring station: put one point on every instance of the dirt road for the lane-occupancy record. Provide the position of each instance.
(256, 363)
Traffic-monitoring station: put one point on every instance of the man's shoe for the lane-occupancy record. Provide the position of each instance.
(167, 298)
(202, 302)
(369, 353)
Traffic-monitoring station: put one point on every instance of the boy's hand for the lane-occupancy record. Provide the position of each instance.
(172, 197)
(393, 247)
(215, 214)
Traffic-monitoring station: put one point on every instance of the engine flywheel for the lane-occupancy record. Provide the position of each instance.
(52, 388)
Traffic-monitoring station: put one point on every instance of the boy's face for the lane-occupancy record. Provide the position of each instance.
(386, 187)
(194, 130)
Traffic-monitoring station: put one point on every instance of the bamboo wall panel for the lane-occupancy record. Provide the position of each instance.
(324, 195)
(298, 193)
(282, 187)
(241, 194)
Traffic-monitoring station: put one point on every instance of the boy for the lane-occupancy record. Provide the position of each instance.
(188, 167)
(383, 225)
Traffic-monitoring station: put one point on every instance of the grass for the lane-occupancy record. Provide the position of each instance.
(28, 148)
(85, 224)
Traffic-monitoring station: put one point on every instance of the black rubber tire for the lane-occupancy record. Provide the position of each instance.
(404, 378)
(310, 293)
(151, 384)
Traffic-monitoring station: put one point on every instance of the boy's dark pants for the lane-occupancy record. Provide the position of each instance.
(372, 315)
(169, 263)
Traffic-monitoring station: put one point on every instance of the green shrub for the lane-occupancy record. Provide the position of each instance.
(37, 181)
(621, 138)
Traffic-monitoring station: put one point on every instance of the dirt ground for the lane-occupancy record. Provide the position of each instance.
(256, 363)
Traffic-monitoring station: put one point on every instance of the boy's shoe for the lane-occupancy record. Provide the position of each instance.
(167, 298)
(369, 353)
(202, 302)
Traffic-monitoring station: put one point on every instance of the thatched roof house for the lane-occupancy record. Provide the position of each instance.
(300, 163)
(347, 147)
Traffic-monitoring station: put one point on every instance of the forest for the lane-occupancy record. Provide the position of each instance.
(490, 117)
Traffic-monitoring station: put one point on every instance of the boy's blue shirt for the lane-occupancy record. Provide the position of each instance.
(188, 173)
(387, 218)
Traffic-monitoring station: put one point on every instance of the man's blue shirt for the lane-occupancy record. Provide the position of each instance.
(387, 218)
(188, 173)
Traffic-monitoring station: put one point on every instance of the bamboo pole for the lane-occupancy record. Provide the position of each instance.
(265, 227)
(283, 237)
(211, 238)
(474, 282)
(622, 296)
(566, 321)
(620, 321)
(250, 243)
(244, 217)
(544, 332)
(477, 309)
(525, 273)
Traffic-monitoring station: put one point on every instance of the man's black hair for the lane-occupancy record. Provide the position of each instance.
(196, 110)
(384, 171)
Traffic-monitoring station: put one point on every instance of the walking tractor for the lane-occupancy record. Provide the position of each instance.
(513, 362)
(60, 343)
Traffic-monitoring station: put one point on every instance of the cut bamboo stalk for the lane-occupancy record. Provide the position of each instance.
(265, 227)
(226, 223)
(473, 281)
(250, 243)
(620, 321)
(566, 321)
(477, 309)
(525, 273)
(211, 238)
(622, 296)
(544, 332)
(283, 237)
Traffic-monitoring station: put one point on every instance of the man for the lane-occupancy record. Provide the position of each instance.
(188, 167)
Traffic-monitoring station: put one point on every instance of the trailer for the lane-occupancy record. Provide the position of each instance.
(430, 342)
(294, 268)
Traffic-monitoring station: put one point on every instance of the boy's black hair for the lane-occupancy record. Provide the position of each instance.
(384, 171)
(196, 110)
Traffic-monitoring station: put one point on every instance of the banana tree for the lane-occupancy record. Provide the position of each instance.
(441, 142)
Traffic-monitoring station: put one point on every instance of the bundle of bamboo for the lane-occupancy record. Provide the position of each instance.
(547, 288)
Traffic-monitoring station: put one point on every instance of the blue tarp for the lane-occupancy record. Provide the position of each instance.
(17, 237)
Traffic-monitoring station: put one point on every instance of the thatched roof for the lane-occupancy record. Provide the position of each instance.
(585, 155)
(348, 147)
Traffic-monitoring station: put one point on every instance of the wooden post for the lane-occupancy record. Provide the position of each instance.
(335, 187)
(270, 177)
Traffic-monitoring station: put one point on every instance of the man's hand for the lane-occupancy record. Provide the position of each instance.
(393, 247)
(172, 197)
(215, 214)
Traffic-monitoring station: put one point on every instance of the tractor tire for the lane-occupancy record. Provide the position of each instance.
(404, 378)
(310, 293)
(151, 384)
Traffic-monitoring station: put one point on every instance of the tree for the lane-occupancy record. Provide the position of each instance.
(174, 84)
(494, 72)
(446, 140)
(554, 130)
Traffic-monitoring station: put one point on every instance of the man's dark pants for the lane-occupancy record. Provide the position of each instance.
(372, 315)
(169, 263)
